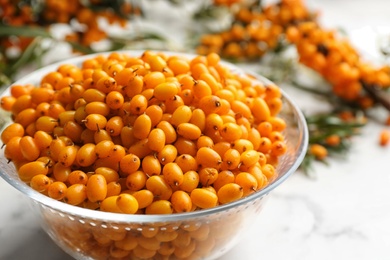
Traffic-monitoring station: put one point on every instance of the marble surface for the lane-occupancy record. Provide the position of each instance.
(342, 213)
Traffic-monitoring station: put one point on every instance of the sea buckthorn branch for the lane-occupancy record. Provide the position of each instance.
(352, 85)
(21, 22)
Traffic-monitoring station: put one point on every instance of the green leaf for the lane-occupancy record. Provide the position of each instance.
(27, 31)
(81, 48)
(24, 58)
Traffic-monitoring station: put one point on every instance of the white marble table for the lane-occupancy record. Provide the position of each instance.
(344, 213)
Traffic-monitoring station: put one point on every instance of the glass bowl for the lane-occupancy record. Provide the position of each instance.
(203, 234)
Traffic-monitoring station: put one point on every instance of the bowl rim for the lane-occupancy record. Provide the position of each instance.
(152, 218)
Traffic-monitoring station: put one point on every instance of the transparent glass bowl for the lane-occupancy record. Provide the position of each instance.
(204, 234)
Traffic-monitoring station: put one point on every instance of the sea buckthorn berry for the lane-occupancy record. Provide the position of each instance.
(182, 114)
(140, 148)
(46, 124)
(109, 174)
(159, 207)
(178, 66)
(64, 116)
(155, 113)
(169, 130)
(138, 104)
(21, 103)
(93, 95)
(61, 172)
(319, 151)
(39, 95)
(210, 104)
(29, 148)
(224, 177)
(260, 110)
(144, 197)
(109, 205)
(165, 236)
(86, 155)
(73, 130)
(136, 180)
(333, 140)
(12, 130)
(165, 90)
(56, 108)
(95, 122)
(76, 194)
(265, 128)
(100, 135)
(96, 188)
(76, 91)
(265, 145)
(129, 163)
(247, 181)
(173, 174)
(97, 107)
(207, 157)
(231, 159)
(26, 117)
(269, 171)
(103, 148)
(114, 100)
(384, 137)
(185, 146)
(167, 154)
(254, 137)
(198, 118)
(249, 158)
(57, 190)
(188, 131)
(143, 253)
(40, 183)
(128, 243)
(77, 176)
(190, 181)
(67, 155)
(186, 162)
(261, 179)
(154, 78)
(127, 136)
(173, 103)
(114, 125)
(42, 109)
(201, 89)
(134, 86)
(142, 126)
(30, 169)
(117, 153)
(127, 203)
(80, 114)
(151, 165)
(181, 201)
(156, 139)
(42, 139)
(204, 198)
(159, 187)
(276, 136)
(207, 176)
(204, 141)
(106, 84)
(230, 132)
(278, 148)
(214, 122)
(230, 192)
(20, 90)
(113, 188)
(7, 102)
